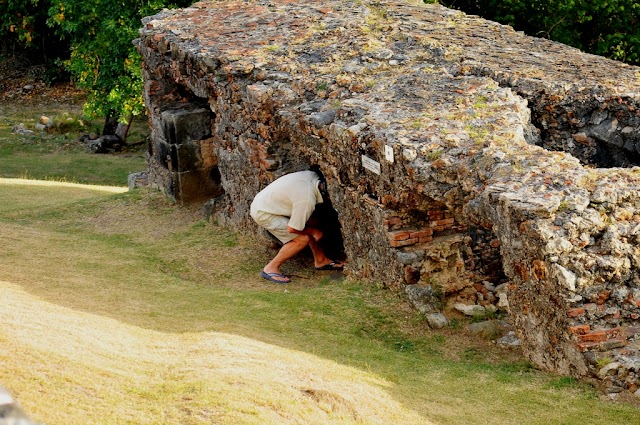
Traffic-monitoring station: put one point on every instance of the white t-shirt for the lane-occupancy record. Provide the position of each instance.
(293, 195)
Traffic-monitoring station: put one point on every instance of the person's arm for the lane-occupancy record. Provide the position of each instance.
(311, 231)
(300, 214)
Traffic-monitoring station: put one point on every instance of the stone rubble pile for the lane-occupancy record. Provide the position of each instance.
(21, 130)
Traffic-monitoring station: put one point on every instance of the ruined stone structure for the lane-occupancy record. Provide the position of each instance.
(470, 165)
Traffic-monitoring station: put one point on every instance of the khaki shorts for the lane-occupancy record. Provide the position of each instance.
(277, 225)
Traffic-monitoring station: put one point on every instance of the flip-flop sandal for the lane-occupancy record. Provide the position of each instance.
(272, 277)
(331, 266)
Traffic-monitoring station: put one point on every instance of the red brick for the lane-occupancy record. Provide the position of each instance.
(575, 312)
(425, 239)
(393, 221)
(443, 222)
(421, 233)
(600, 335)
(539, 269)
(602, 346)
(580, 329)
(435, 215)
(388, 200)
(406, 242)
(603, 296)
(398, 236)
(522, 271)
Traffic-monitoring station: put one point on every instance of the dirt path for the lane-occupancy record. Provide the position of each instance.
(51, 183)
(119, 372)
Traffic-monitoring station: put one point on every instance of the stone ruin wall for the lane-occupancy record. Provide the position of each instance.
(473, 168)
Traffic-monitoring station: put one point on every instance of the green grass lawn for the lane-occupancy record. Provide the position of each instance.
(56, 154)
(138, 311)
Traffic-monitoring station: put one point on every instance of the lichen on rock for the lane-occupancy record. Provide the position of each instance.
(465, 160)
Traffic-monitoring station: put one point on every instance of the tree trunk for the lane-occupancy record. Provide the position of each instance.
(112, 127)
(123, 129)
(110, 123)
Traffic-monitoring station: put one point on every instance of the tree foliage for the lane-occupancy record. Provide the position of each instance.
(18, 20)
(24, 29)
(103, 59)
(91, 39)
(608, 28)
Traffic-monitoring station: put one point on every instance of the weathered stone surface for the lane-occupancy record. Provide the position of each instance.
(437, 320)
(424, 299)
(457, 152)
(104, 144)
(10, 411)
(509, 340)
(490, 329)
(135, 180)
(470, 310)
(21, 130)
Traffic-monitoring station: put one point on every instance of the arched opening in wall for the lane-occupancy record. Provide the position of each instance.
(216, 177)
(326, 218)
(485, 258)
(214, 181)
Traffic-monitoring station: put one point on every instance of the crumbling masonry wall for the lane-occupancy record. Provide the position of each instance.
(473, 168)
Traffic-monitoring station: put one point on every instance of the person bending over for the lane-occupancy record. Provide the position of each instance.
(284, 208)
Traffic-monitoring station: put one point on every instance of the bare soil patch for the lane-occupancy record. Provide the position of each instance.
(22, 83)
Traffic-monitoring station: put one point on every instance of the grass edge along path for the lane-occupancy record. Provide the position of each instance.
(54, 183)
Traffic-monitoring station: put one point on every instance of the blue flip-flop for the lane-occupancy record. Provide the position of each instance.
(272, 277)
(334, 265)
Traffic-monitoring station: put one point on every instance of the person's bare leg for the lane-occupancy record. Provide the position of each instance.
(288, 250)
(319, 258)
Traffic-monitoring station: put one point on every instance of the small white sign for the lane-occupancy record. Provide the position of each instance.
(370, 164)
(388, 153)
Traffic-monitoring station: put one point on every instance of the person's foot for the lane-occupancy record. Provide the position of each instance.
(276, 277)
(330, 265)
